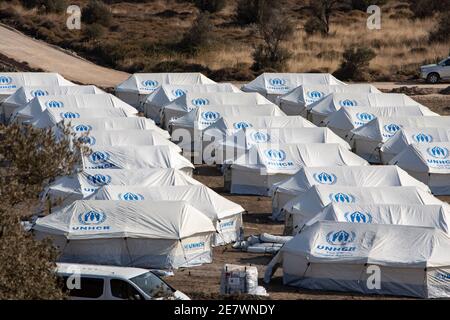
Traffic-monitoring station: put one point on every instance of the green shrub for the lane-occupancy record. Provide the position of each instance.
(362, 5)
(355, 65)
(315, 26)
(96, 12)
(211, 6)
(427, 8)
(199, 36)
(94, 31)
(254, 11)
(48, 6)
(441, 33)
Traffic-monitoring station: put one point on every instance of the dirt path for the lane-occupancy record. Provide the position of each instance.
(41, 55)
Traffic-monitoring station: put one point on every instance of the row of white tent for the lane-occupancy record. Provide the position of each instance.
(345, 214)
(133, 202)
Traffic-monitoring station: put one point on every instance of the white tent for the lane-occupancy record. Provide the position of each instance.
(111, 124)
(429, 163)
(227, 126)
(296, 101)
(272, 85)
(231, 147)
(53, 116)
(81, 185)
(319, 110)
(138, 86)
(25, 94)
(356, 176)
(35, 107)
(117, 138)
(135, 157)
(151, 234)
(370, 137)
(195, 122)
(404, 137)
(346, 119)
(192, 101)
(307, 205)
(420, 215)
(265, 164)
(225, 214)
(335, 256)
(168, 93)
(12, 81)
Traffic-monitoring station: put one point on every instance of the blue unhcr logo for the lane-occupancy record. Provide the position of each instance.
(340, 237)
(325, 178)
(54, 104)
(99, 179)
(92, 217)
(358, 217)
(422, 137)
(342, 197)
(130, 196)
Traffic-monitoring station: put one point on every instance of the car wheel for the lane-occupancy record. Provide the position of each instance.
(433, 78)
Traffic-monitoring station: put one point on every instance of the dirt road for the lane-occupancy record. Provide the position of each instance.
(41, 55)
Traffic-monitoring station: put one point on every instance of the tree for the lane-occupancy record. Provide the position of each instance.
(96, 12)
(321, 12)
(355, 65)
(211, 6)
(441, 33)
(198, 36)
(30, 159)
(273, 30)
(254, 11)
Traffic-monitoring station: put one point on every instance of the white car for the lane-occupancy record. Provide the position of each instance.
(96, 282)
(434, 73)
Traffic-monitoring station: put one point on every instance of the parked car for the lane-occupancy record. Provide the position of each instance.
(96, 282)
(433, 73)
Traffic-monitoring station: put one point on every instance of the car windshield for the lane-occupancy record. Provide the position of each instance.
(153, 285)
(445, 62)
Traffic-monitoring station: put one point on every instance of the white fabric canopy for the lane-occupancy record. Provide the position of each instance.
(227, 126)
(81, 185)
(307, 205)
(116, 138)
(226, 215)
(429, 163)
(357, 176)
(319, 110)
(53, 116)
(27, 93)
(112, 124)
(370, 137)
(135, 157)
(12, 81)
(192, 101)
(138, 86)
(159, 234)
(296, 101)
(334, 256)
(404, 137)
(346, 119)
(265, 164)
(233, 146)
(169, 92)
(61, 103)
(272, 85)
(431, 216)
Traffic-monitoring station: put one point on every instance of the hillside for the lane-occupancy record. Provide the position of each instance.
(146, 37)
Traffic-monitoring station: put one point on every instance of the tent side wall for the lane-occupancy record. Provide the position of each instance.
(131, 252)
(299, 272)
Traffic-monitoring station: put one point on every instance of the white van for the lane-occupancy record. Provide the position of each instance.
(96, 282)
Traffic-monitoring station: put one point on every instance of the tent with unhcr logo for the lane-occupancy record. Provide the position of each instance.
(262, 165)
(149, 234)
(336, 256)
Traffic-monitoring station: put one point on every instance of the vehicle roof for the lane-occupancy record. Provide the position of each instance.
(99, 270)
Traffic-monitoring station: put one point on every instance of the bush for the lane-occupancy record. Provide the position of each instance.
(270, 53)
(211, 6)
(198, 36)
(94, 31)
(30, 159)
(356, 64)
(179, 66)
(254, 11)
(56, 6)
(427, 8)
(96, 12)
(315, 26)
(362, 5)
(442, 31)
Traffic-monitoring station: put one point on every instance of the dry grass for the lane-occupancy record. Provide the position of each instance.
(401, 44)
